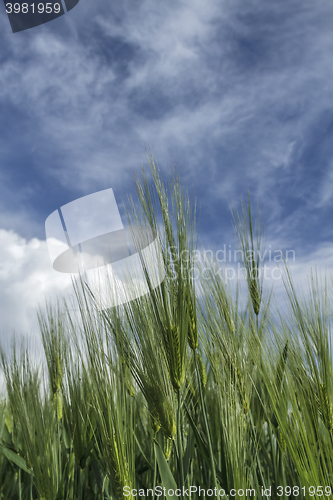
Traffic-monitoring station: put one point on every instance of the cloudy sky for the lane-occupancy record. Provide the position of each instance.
(238, 94)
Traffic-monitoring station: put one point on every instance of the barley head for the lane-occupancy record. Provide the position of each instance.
(327, 410)
(176, 366)
(283, 442)
(58, 403)
(202, 371)
(119, 468)
(168, 445)
(254, 293)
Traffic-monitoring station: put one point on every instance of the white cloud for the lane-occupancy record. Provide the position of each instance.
(26, 279)
(326, 189)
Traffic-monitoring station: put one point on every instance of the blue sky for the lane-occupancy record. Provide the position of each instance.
(238, 94)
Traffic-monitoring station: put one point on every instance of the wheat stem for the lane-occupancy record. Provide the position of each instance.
(203, 406)
(155, 466)
(180, 444)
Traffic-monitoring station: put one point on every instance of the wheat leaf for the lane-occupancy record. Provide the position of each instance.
(168, 480)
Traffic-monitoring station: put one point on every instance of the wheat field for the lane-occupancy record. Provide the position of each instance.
(186, 387)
